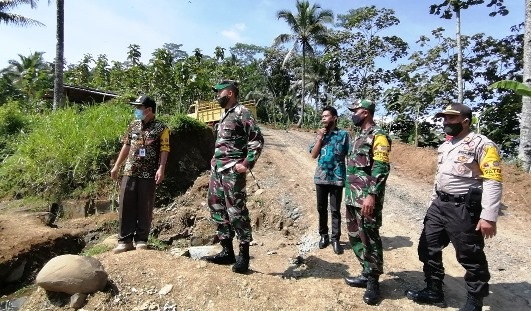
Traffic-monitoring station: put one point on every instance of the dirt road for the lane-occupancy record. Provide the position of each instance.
(287, 228)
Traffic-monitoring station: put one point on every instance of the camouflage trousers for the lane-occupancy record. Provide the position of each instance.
(364, 237)
(227, 203)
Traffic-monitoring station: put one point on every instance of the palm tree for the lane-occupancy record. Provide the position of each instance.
(524, 150)
(15, 19)
(27, 73)
(308, 28)
(58, 82)
(219, 53)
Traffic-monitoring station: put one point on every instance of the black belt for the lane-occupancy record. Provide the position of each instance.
(446, 197)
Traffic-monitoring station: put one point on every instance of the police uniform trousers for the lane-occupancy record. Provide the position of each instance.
(336, 194)
(137, 199)
(450, 221)
(227, 203)
(364, 238)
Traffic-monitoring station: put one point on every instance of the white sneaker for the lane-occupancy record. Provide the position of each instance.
(141, 245)
(123, 247)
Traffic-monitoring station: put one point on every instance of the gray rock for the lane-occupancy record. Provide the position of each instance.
(166, 289)
(78, 300)
(197, 252)
(72, 274)
(17, 272)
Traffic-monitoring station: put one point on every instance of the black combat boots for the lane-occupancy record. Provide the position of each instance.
(242, 261)
(357, 281)
(473, 303)
(372, 293)
(225, 257)
(433, 294)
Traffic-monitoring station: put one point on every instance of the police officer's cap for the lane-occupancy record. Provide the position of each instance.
(455, 109)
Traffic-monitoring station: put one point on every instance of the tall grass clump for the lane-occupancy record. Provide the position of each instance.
(12, 124)
(67, 154)
(180, 124)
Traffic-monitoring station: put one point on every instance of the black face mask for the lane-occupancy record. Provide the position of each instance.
(223, 101)
(453, 129)
(357, 120)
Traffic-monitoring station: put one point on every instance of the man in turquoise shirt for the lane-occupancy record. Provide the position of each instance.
(330, 147)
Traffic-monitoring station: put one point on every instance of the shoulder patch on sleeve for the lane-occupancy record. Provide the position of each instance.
(381, 148)
(490, 164)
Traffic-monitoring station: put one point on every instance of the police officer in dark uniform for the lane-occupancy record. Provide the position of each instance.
(463, 210)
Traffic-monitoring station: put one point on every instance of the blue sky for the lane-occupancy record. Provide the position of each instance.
(110, 26)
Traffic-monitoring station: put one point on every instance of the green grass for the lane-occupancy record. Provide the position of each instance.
(67, 151)
(96, 250)
(157, 244)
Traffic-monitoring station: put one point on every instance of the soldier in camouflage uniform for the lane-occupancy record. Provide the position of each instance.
(145, 147)
(238, 145)
(463, 209)
(367, 171)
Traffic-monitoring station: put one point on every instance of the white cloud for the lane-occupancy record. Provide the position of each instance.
(234, 33)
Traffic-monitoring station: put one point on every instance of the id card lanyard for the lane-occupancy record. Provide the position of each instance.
(142, 150)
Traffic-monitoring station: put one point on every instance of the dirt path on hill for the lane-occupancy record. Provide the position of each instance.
(313, 281)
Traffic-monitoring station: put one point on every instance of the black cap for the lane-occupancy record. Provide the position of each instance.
(146, 101)
(455, 109)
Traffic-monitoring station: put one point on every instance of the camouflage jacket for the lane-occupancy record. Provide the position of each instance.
(331, 162)
(238, 139)
(146, 141)
(367, 166)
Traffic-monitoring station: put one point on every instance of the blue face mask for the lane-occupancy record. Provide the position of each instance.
(139, 114)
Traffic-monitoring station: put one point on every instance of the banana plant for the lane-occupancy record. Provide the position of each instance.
(518, 87)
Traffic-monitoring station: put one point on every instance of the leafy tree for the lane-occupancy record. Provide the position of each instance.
(428, 81)
(16, 19)
(247, 53)
(308, 29)
(282, 107)
(361, 45)
(80, 74)
(175, 51)
(446, 10)
(101, 73)
(162, 85)
(134, 54)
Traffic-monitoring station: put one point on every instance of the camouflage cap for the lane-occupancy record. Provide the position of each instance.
(362, 103)
(456, 110)
(224, 84)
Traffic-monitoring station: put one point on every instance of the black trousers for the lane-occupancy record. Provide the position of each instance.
(451, 222)
(137, 198)
(336, 194)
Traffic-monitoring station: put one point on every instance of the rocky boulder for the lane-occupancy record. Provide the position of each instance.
(72, 274)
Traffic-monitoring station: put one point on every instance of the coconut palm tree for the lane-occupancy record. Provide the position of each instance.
(307, 29)
(524, 150)
(28, 74)
(58, 81)
(16, 19)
